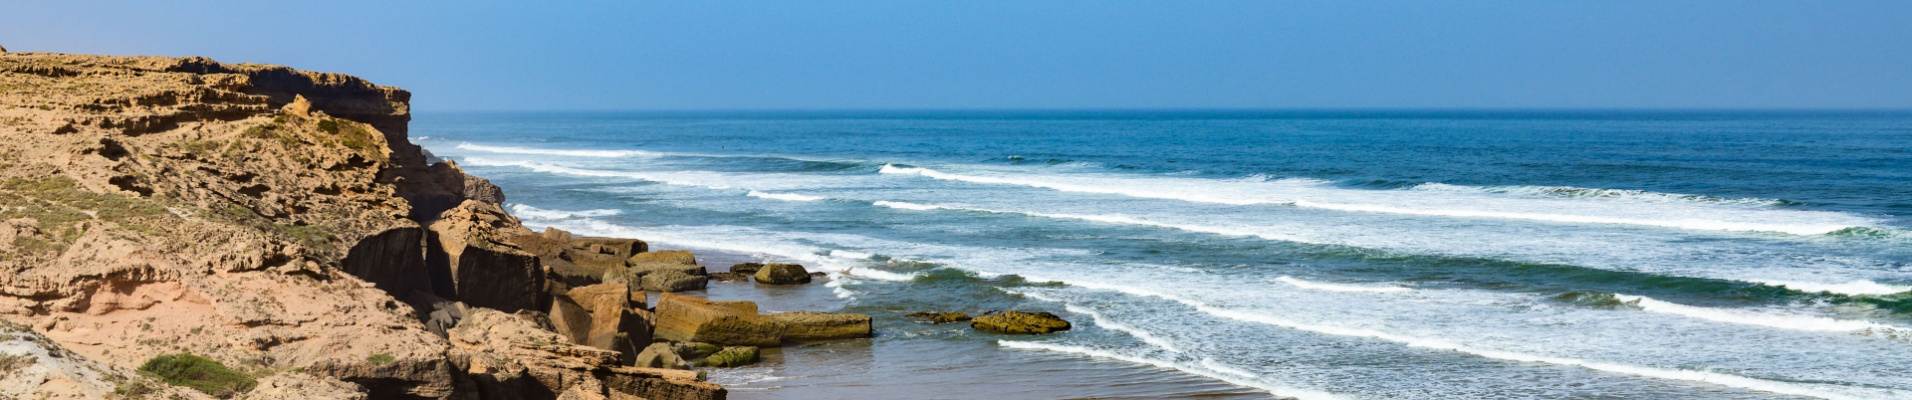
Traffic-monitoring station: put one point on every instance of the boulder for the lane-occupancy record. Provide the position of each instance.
(782, 274)
(638, 270)
(729, 277)
(1020, 323)
(613, 325)
(571, 320)
(661, 355)
(695, 350)
(591, 262)
(691, 319)
(941, 317)
(734, 356)
(749, 268)
(811, 325)
(665, 256)
(673, 281)
(622, 248)
(469, 261)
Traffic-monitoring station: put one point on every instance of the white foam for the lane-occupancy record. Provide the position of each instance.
(1275, 389)
(564, 170)
(1858, 287)
(1792, 388)
(1102, 320)
(1781, 321)
(1138, 333)
(1597, 194)
(1339, 288)
(1217, 366)
(557, 152)
(1681, 223)
(1317, 194)
(784, 196)
(1852, 288)
(851, 254)
(906, 206)
(524, 211)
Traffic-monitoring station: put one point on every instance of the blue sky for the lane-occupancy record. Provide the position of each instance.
(695, 55)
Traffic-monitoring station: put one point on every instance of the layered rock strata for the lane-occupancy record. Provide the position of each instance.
(279, 221)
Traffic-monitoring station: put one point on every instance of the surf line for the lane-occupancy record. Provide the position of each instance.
(1687, 224)
(1727, 380)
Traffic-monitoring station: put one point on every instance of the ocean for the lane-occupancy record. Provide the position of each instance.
(1305, 254)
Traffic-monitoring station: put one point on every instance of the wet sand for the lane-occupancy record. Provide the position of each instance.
(912, 360)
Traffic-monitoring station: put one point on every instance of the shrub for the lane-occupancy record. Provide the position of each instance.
(380, 359)
(199, 374)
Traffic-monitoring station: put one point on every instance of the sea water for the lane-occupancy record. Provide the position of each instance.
(1317, 255)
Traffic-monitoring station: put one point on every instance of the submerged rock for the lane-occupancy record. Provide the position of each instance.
(782, 274)
(941, 317)
(729, 277)
(1020, 323)
(746, 268)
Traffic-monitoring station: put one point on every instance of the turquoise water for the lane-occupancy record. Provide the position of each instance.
(1360, 255)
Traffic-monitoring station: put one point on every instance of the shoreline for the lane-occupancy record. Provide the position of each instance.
(908, 358)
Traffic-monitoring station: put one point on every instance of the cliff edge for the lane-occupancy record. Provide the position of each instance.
(273, 220)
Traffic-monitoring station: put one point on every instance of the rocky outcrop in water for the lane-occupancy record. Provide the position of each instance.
(1020, 323)
(782, 274)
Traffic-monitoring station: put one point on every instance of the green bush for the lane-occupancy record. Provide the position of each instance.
(380, 359)
(198, 373)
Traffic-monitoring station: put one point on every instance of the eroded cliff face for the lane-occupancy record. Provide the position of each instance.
(269, 218)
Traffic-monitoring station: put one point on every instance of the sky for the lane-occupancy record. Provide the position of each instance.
(874, 55)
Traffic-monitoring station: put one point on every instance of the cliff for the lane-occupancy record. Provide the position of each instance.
(276, 221)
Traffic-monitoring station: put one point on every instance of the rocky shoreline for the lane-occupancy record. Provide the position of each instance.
(277, 228)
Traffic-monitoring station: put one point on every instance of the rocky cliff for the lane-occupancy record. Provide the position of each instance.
(278, 222)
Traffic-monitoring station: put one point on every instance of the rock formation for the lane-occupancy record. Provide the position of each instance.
(277, 220)
(1019, 323)
(782, 274)
(738, 323)
(941, 317)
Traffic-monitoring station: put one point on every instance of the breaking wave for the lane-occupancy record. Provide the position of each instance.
(1781, 321)
(1229, 376)
(1318, 194)
(784, 196)
(558, 152)
(1338, 287)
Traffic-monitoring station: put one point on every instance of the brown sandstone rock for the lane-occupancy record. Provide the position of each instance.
(665, 256)
(661, 355)
(622, 248)
(782, 274)
(749, 268)
(941, 317)
(266, 217)
(508, 356)
(1020, 323)
(673, 281)
(729, 277)
(691, 319)
(299, 386)
(811, 325)
(469, 256)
